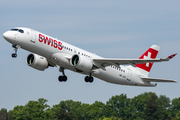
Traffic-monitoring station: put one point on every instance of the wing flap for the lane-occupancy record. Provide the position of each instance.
(157, 80)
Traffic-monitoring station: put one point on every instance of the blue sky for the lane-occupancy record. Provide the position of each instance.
(113, 29)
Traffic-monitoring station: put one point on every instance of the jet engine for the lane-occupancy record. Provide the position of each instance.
(37, 62)
(81, 63)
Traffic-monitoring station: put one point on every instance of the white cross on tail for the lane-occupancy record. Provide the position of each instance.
(147, 57)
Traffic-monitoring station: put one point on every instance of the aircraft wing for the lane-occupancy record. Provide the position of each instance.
(156, 80)
(116, 62)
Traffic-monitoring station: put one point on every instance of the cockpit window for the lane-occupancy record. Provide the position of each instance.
(14, 29)
(19, 30)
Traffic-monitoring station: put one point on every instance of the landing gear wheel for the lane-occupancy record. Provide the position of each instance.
(62, 78)
(89, 79)
(86, 79)
(14, 55)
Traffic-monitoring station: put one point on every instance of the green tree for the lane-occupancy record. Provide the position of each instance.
(175, 106)
(144, 106)
(138, 105)
(164, 106)
(121, 106)
(177, 116)
(96, 110)
(65, 110)
(153, 110)
(75, 107)
(35, 110)
(84, 111)
(4, 115)
(111, 118)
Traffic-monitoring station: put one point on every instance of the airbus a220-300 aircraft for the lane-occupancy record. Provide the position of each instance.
(48, 51)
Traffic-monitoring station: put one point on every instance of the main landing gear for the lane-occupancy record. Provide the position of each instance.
(14, 55)
(89, 78)
(62, 78)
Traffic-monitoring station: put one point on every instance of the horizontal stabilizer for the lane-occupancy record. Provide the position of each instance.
(156, 80)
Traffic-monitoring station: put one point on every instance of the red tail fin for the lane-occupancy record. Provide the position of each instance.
(151, 53)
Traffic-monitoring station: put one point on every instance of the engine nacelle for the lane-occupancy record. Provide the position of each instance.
(81, 63)
(37, 62)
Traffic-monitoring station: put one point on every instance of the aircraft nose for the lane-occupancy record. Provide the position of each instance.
(8, 36)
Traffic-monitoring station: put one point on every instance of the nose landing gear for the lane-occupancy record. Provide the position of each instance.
(14, 55)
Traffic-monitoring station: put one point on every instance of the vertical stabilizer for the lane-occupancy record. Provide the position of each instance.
(151, 53)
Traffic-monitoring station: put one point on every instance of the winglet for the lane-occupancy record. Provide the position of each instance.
(171, 56)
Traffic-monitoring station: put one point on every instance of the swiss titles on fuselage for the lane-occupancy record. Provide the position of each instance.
(49, 41)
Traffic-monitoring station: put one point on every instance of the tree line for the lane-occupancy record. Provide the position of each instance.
(146, 106)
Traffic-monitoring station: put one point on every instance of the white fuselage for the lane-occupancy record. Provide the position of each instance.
(33, 41)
